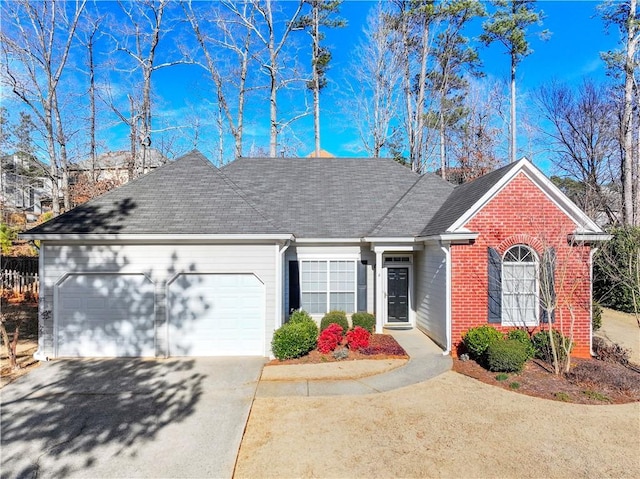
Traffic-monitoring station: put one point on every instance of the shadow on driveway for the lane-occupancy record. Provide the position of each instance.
(128, 418)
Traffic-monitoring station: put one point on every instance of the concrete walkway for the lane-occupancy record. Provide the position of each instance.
(426, 361)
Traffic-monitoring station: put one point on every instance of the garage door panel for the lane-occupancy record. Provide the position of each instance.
(216, 315)
(106, 315)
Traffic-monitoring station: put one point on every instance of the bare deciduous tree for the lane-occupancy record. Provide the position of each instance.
(413, 20)
(583, 139)
(624, 63)
(36, 39)
(213, 32)
(475, 140)
(374, 89)
(147, 23)
(273, 38)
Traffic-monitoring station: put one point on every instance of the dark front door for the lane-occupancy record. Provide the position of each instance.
(398, 295)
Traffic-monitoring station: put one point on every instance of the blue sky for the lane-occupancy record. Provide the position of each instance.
(181, 93)
(571, 54)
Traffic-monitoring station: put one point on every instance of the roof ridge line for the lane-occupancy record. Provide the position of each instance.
(242, 195)
(386, 215)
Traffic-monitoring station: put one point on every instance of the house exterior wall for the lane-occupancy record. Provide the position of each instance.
(328, 252)
(522, 214)
(430, 273)
(160, 263)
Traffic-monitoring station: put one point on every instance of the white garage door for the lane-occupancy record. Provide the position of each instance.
(105, 315)
(216, 315)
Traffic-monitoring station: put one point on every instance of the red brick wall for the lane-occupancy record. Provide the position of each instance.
(522, 214)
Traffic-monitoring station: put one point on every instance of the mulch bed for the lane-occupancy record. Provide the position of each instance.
(381, 346)
(607, 383)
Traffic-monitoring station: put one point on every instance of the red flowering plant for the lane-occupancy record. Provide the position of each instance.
(358, 338)
(329, 338)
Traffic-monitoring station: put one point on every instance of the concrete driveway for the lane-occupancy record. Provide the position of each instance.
(128, 418)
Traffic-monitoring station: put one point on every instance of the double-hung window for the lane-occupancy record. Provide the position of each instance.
(520, 287)
(327, 285)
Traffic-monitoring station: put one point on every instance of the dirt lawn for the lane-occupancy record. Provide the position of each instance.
(450, 426)
(622, 329)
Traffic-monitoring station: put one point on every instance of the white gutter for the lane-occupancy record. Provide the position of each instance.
(157, 237)
(591, 253)
(404, 239)
(327, 240)
(579, 237)
(451, 237)
(447, 252)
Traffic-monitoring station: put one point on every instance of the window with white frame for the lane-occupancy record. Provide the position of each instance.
(327, 285)
(520, 287)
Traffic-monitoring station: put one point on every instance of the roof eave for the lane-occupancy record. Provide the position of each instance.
(453, 238)
(589, 237)
(159, 238)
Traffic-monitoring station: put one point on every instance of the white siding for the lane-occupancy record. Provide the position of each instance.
(430, 272)
(160, 263)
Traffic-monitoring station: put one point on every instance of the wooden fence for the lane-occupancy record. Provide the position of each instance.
(14, 282)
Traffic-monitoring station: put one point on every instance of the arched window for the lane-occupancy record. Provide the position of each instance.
(520, 287)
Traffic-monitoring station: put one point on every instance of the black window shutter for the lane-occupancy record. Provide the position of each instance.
(362, 285)
(294, 286)
(495, 286)
(548, 285)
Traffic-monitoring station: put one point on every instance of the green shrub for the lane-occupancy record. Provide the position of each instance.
(506, 356)
(596, 315)
(616, 263)
(364, 320)
(522, 336)
(478, 339)
(294, 340)
(300, 316)
(336, 317)
(542, 346)
(7, 237)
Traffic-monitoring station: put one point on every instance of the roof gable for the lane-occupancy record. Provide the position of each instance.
(468, 199)
(187, 196)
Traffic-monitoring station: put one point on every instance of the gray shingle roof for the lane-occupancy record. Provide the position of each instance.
(413, 211)
(461, 199)
(187, 196)
(307, 197)
(324, 197)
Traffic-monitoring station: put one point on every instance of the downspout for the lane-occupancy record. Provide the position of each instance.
(380, 313)
(447, 253)
(280, 252)
(39, 355)
(591, 253)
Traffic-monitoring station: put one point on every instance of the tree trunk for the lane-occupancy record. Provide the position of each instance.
(513, 133)
(627, 119)
(53, 165)
(92, 118)
(316, 78)
(131, 164)
(64, 161)
(443, 150)
(11, 344)
(420, 103)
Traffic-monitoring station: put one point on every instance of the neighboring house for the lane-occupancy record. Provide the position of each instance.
(23, 185)
(195, 260)
(114, 166)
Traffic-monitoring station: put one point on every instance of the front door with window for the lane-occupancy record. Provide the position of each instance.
(398, 295)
